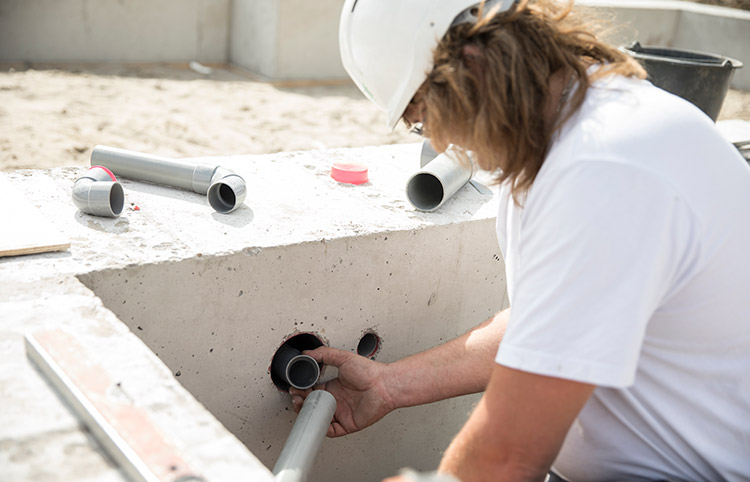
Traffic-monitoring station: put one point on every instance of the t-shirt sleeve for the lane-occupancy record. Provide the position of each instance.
(600, 247)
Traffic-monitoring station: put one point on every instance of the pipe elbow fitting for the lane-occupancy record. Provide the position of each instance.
(97, 192)
(227, 190)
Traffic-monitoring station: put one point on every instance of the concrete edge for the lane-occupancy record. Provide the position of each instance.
(713, 10)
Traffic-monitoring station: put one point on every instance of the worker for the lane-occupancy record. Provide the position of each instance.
(624, 220)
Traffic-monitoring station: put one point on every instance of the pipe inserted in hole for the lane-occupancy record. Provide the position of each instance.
(437, 180)
(303, 443)
(226, 190)
(97, 192)
(298, 370)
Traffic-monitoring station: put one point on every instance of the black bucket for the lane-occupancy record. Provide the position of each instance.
(699, 77)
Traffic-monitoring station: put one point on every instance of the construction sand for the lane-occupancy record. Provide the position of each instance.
(53, 117)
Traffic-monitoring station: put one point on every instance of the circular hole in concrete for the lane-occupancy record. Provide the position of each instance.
(289, 365)
(368, 345)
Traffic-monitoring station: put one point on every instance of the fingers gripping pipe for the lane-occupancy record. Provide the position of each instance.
(226, 191)
(97, 192)
(440, 177)
(306, 437)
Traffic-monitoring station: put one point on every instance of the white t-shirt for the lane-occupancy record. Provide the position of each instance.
(628, 267)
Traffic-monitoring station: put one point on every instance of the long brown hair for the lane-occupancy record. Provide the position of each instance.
(494, 102)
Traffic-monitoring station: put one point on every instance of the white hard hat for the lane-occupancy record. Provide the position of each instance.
(386, 45)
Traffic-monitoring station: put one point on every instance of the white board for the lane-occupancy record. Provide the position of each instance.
(23, 228)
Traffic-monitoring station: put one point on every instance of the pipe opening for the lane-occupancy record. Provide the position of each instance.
(221, 197)
(302, 372)
(226, 194)
(368, 345)
(425, 191)
(290, 368)
(116, 198)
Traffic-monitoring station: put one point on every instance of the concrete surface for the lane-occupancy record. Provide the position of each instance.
(287, 39)
(114, 30)
(279, 39)
(297, 39)
(215, 295)
(681, 24)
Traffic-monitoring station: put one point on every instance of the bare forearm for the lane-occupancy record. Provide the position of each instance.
(458, 367)
(473, 457)
(515, 432)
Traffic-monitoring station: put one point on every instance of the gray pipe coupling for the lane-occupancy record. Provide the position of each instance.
(298, 370)
(225, 190)
(97, 192)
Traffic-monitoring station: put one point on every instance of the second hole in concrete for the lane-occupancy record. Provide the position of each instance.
(368, 345)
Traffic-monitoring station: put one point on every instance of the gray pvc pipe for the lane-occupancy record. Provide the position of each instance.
(303, 443)
(225, 190)
(437, 181)
(97, 192)
(298, 370)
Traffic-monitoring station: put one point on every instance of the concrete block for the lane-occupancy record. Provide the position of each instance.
(287, 39)
(681, 24)
(114, 31)
(187, 307)
(698, 31)
(253, 43)
(648, 24)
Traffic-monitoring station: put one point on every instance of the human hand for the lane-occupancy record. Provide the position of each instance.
(360, 390)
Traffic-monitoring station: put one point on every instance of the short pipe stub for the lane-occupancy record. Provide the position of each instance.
(292, 368)
(302, 372)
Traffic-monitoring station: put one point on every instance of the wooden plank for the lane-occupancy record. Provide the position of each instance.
(23, 228)
(123, 429)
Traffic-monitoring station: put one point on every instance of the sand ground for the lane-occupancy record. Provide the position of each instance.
(53, 117)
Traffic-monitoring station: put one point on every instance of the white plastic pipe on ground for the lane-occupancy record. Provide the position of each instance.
(226, 190)
(304, 440)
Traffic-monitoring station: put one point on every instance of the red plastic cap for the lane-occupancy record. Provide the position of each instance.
(349, 172)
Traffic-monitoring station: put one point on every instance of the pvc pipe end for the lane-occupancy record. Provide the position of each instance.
(302, 372)
(106, 199)
(98, 197)
(227, 194)
(425, 191)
